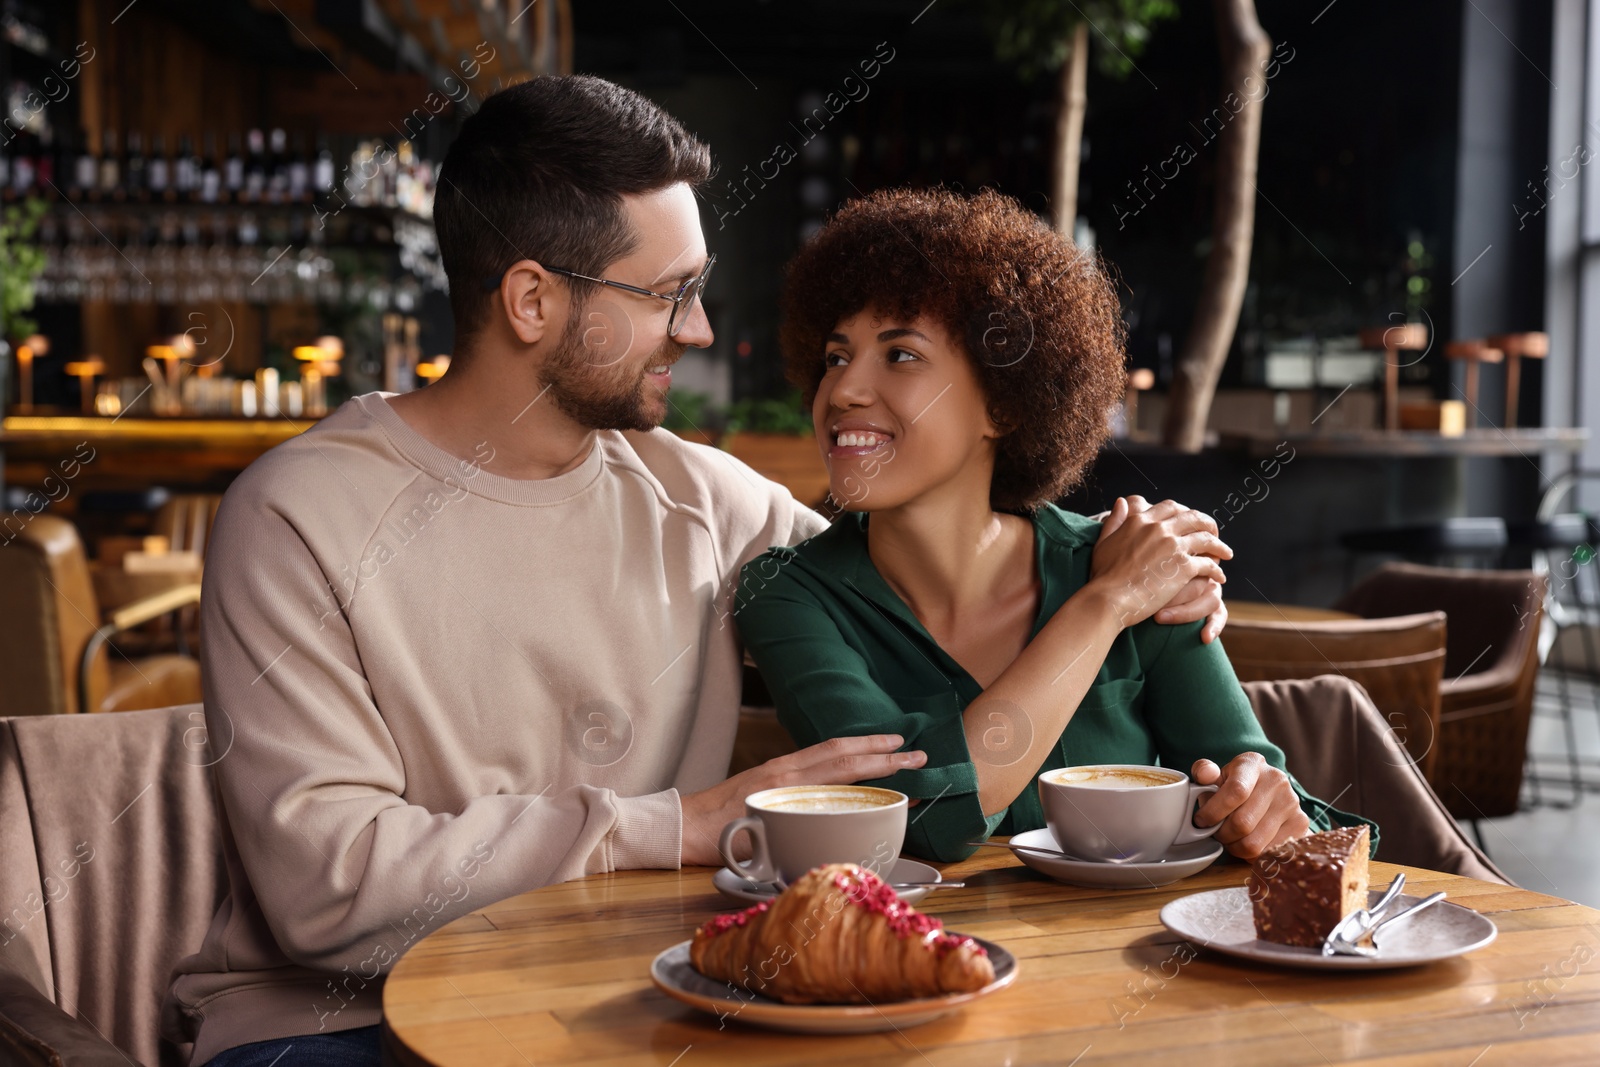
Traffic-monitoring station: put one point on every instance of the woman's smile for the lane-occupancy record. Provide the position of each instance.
(852, 439)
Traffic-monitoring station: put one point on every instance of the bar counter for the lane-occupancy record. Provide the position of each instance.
(128, 452)
(1400, 444)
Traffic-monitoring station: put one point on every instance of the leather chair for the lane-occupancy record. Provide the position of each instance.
(53, 657)
(1338, 744)
(1491, 664)
(1399, 661)
(108, 880)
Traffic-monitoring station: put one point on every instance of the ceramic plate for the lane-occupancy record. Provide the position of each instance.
(675, 976)
(1180, 862)
(1221, 920)
(743, 889)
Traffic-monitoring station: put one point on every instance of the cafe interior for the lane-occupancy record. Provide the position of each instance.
(1357, 252)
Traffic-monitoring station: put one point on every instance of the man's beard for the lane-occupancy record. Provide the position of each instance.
(600, 396)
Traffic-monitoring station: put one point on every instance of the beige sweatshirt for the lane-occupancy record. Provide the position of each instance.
(429, 687)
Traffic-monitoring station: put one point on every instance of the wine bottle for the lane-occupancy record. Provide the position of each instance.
(233, 170)
(299, 172)
(278, 168)
(322, 177)
(210, 187)
(255, 167)
(85, 172)
(158, 170)
(185, 170)
(45, 167)
(133, 167)
(110, 173)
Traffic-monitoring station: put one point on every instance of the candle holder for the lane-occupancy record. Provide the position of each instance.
(86, 370)
(315, 369)
(36, 345)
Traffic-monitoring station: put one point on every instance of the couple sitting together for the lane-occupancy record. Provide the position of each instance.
(535, 673)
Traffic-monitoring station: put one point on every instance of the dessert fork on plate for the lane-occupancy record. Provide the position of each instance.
(1345, 938)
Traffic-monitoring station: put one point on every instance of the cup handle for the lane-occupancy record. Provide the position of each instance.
(760, 868)
(1190, 831)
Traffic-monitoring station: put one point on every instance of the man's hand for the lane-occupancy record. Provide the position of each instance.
(1200, 598)
(1256, 804)
(837, 762)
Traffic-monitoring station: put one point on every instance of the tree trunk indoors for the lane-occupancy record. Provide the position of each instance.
(1244, 47)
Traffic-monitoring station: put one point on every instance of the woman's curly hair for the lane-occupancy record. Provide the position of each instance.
(1039, 319)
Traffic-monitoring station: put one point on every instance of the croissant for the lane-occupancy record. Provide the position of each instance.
(839, 935)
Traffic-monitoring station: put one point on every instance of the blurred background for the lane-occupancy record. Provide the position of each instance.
(1355, 243)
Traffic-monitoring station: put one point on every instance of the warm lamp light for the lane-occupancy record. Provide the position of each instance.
(434, 370)
(86, 370)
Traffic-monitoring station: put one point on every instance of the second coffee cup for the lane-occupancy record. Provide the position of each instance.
(1121, 813)
(795, 828)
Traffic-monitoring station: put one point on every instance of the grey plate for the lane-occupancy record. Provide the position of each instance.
(1180, 862)
(1221, 920)
(732, 885)
(675, 976)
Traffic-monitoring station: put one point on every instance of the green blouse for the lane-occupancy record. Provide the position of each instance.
(843, 655)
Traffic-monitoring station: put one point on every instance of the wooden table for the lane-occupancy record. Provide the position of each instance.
(561, 976)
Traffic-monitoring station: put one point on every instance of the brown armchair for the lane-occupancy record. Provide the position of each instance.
(1399, 661)
(53, 655)
(1491, 664)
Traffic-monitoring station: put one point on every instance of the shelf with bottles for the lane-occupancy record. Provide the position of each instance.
(235, 253)
(256, 168)
(258, 230)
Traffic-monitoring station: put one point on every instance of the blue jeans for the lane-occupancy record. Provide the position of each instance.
(342, 1048)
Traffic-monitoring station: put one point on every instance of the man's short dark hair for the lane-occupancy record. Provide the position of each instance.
(539, 172)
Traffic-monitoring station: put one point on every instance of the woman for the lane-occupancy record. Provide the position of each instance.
(961, 360)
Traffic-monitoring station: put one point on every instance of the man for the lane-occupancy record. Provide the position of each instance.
(473, 640)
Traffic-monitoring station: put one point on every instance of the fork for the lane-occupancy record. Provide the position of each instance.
(1345, 937)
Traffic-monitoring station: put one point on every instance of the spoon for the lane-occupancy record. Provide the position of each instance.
(1039, 850)
(1425, 902)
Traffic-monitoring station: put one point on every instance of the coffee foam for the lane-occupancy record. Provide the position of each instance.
(1112, 777)
(823, 801)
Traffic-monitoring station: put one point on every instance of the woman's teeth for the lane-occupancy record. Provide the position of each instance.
(861, 440)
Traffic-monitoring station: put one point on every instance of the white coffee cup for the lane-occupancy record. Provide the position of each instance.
(795, 828)
(1122, 812)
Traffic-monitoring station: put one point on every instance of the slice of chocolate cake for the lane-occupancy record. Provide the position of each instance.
(1300, 890)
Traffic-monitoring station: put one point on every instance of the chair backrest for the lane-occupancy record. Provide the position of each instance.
(1491, 666)
(1487, 629)
(110, 877)
(1341, 749)
(185, 520)
(50, 611)
(1399, 661)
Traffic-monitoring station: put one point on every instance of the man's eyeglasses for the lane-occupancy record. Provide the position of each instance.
(683, 299)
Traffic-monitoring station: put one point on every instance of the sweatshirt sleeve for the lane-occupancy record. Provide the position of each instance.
(823, 688)
(313, 783)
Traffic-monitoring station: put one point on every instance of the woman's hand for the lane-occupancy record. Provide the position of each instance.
(1256, 804)
(839, 761)
(1161, 558)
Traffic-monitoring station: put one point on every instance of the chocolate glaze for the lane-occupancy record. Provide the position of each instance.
(1300, 890)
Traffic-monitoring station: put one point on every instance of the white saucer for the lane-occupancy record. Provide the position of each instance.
(675, 976)
(1221, 920)
(744, 889)
(1180, 862)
